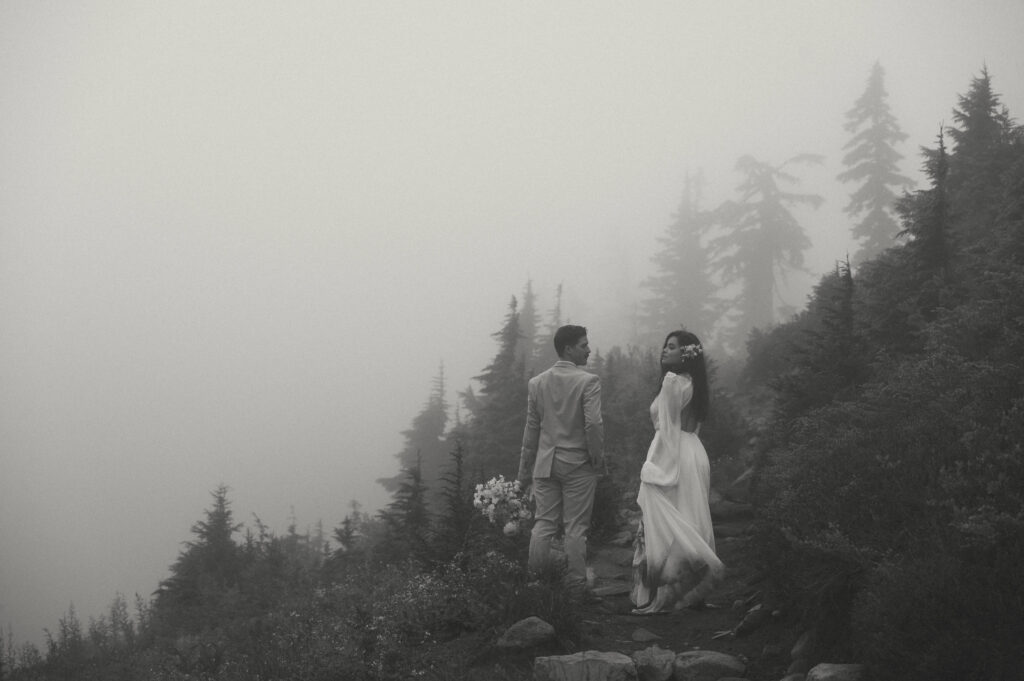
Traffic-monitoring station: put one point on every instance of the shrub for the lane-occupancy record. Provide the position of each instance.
(937, 615)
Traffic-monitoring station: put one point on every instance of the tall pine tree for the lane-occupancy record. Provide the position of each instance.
(873, 162)
(426, 446)
(457, 511)
(498, 410)
(197, 592)
(762, 241)
(682, 292)
(528, 350)
(827, 360)
(984, 138)
(926, 215)
(407, 520)
(546, 342)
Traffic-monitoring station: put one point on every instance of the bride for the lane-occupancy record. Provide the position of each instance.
(675, 565)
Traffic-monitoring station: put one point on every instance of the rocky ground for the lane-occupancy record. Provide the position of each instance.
(735, 620)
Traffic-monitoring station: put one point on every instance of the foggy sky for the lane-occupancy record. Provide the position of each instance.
(237, 239)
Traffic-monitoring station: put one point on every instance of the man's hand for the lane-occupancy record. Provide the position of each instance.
(526, 484)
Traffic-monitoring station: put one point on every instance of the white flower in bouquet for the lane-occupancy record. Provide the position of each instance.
(502, 502)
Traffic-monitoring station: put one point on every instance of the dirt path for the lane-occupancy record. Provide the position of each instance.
(609, 626)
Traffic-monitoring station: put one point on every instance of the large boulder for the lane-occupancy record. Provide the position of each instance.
(589, 665)
(654, 664)
(706, 665)
(527, 633)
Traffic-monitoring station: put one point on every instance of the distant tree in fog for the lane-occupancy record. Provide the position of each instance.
(66, 651)
(761, 240)
(425, 444)
(546, 341)
(682, 291)
(347, 533)
(528, 349)
(872, 161)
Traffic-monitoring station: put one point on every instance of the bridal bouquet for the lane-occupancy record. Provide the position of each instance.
(503, 503)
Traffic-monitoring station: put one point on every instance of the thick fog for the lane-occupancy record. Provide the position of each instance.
(238, 239)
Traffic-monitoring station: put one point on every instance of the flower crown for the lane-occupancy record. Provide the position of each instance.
(690, 351)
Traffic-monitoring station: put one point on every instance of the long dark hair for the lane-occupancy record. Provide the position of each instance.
(696, 367)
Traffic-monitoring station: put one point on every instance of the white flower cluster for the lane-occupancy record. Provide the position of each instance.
(690, 351)
(502, 502)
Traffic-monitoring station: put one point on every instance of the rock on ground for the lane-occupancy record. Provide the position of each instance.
(836, 672)
(706, 665)
(527, 633)
(589, 665)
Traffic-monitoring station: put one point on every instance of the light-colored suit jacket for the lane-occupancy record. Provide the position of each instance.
(563, 412)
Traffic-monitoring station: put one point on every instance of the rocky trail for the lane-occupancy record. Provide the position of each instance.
(735, 620)
(737, 634)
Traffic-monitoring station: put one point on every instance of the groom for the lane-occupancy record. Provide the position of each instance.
(563, 452)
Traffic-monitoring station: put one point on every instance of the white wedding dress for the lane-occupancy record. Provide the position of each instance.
(674, 564)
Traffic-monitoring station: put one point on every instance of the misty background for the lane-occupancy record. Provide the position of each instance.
(237, 240)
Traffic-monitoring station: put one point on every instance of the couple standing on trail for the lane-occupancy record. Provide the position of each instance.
(563, 455)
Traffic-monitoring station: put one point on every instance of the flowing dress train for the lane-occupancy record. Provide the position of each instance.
(674, 564)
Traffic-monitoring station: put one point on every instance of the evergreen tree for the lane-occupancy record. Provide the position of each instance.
(265, 562)
(196, 592)
(983, 153)
(926, 216)
(214, 544)
(425, 444)
(762, 242)
(873, 162)
(65, 652)
(528, 350)
(629, 382)
(122, 628)
(351, 538)
(905, 490)
(347, 533)
(682, 290)
(454, 521)
(407, 520)
(546, 344)
(498, 411)
(827, 361)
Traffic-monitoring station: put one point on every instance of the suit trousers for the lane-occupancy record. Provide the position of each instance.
(565, 499)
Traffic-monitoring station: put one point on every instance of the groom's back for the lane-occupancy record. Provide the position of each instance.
(558, 393)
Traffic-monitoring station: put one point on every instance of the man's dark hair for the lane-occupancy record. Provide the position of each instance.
(568, 335)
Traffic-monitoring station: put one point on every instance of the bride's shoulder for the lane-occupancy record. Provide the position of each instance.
(677, 378)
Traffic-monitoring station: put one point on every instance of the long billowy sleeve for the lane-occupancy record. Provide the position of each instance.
(531, 436)
(662, 464)
(676, 393)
